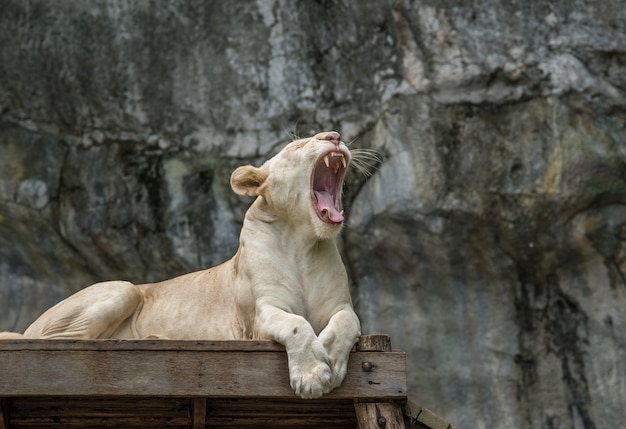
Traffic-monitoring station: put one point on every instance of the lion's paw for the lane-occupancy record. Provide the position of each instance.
(312, 383)
(309, 371)
(339, 368)
(338, 354)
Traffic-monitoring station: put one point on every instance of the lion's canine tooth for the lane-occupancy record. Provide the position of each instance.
(326, 161)
(343, 161)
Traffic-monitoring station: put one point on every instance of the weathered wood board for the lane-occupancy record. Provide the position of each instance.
(189, 384)
(224, 369)
(78, 412)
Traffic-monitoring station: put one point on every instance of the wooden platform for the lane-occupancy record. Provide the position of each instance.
(190, 384)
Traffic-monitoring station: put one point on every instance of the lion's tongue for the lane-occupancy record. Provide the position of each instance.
(326, 205)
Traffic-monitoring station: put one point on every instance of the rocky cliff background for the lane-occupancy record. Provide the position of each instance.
(489, 241)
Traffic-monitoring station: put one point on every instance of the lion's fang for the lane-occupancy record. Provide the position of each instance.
(335, 155)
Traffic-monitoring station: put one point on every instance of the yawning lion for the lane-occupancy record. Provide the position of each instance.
(286, 282)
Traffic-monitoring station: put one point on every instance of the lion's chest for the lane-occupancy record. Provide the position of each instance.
(310, 291)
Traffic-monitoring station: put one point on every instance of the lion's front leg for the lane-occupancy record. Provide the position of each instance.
(310, 374)
(338, 337)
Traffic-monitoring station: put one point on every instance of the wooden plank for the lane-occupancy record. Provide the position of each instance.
(167, 345)
(281, 408)
(175, 412)
(78, 423)
(373, 343)
(294, 413)
(373, 415)
(290, 422)
(182, 372)
(102, 412)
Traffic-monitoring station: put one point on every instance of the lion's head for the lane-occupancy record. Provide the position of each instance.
(302, 183)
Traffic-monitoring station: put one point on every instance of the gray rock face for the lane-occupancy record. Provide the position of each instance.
(489, 239)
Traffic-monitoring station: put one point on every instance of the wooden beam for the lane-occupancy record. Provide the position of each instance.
(180, 368)
(198, 419)
(377, 415)
(424, 418)
(387, 415)
(374, 343)
(4, 413)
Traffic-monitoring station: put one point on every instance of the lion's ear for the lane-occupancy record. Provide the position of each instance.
(248, 180)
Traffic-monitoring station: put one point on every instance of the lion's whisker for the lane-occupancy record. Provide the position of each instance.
(351, 142)
(366, 161)
(293, 135)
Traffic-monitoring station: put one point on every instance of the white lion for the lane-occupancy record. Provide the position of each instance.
(286, 282)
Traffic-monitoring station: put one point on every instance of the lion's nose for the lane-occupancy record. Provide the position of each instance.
(332, 136)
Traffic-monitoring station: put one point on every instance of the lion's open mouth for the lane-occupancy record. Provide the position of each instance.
(326, 183)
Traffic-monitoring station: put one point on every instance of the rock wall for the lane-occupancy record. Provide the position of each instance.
(489, 239)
